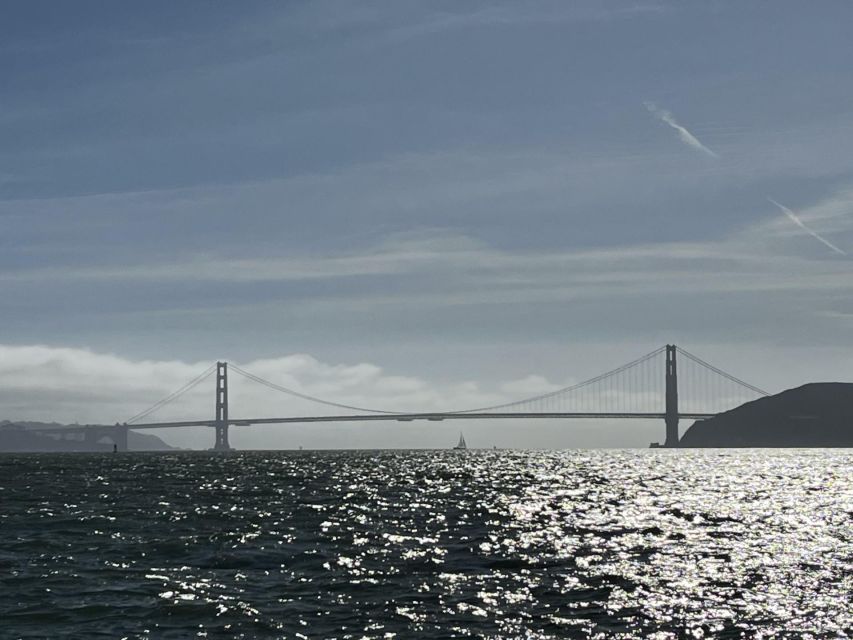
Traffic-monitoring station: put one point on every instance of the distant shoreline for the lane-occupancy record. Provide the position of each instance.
(23, 437)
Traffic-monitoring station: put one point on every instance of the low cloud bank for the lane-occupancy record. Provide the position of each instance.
(79, 385)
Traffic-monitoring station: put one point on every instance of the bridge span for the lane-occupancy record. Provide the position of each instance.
(624, 393)
(411, 417)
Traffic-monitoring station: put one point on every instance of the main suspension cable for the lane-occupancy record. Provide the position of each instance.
(570, 388)
(720, 372)
(303, 396)
(544, 396)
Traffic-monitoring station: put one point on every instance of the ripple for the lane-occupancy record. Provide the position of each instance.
(609, 544)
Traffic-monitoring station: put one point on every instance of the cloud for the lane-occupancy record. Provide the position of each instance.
(70, 384)
(531, 385)
(515, 15)
(69, 276)
(814, 234)
(686, 137)
(459, 270)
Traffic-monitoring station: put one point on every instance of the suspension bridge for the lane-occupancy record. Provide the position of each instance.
(668, 384)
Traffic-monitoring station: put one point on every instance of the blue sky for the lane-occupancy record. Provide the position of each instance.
(452, 192)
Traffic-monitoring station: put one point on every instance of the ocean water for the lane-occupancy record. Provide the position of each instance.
(440, 544)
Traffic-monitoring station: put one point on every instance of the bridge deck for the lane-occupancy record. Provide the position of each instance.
(392, 417)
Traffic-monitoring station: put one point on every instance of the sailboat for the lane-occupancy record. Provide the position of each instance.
(461, 444)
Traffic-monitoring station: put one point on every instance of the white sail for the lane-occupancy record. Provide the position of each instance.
(461, 444)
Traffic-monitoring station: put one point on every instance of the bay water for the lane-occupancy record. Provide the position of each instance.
(428, 544)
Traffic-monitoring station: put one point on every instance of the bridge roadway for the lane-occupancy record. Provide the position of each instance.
(411, 417)
(118, 432)
(103, 429)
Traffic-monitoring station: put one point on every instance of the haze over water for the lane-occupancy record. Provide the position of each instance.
(428, 544)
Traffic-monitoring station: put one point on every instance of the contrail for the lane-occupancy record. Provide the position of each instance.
(686, 137)
(814, 234)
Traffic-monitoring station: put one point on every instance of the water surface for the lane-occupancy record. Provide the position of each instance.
(492, 544)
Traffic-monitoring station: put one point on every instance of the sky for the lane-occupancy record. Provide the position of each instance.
(426, 204)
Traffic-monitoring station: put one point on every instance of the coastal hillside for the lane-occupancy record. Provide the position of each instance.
(814, 415)
(23, 436)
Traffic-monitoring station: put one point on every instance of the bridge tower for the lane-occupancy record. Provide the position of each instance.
(221, 425)
(671, 413)
(119, 436)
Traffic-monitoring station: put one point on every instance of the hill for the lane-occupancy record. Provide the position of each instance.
(21, 437)
(815, 415)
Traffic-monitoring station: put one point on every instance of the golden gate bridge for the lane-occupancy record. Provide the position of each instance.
(667, 384)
